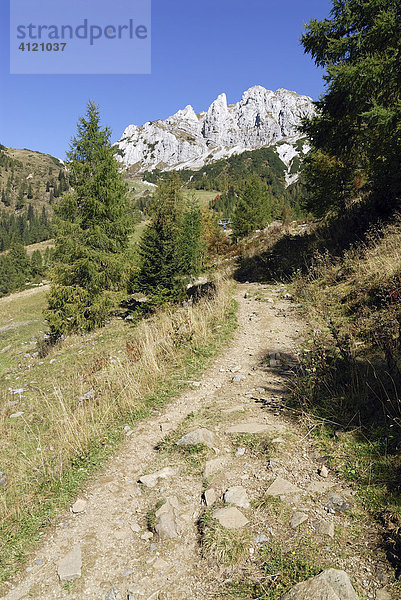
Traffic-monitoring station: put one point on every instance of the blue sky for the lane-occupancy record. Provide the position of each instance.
(199, 49)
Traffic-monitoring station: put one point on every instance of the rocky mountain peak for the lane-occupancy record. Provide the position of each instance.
(189, 140)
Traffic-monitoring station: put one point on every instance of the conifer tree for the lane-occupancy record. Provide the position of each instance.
(253, 209)
(171, 248)
(92, 233)
(159, 274)
(355, 134)
(191, 243)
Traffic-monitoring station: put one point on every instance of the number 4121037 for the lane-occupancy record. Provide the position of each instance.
(42, 47)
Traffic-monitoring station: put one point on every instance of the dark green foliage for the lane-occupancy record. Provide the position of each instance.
(15, 269)
(191, 244)
(253, 209)
(356, 135)
(222, 173)
(26, 228)
(92, 233)
(171, 247)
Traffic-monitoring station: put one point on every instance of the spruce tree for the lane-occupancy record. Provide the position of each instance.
(191, 243)
(253, 209)
(160, 261)
(92, 233)
(171, 248)
(355, 134)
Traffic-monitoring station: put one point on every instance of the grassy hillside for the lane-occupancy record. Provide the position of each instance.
(29, 177)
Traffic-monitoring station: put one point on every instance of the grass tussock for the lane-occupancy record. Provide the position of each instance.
(77, 401)
(226, 546)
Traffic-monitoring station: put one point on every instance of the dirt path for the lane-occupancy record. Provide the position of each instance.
(254, 444)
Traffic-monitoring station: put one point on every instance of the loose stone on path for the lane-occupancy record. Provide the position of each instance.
(79, 506)
(199, 436)
(297, 519)
(152, 479)
(237, 495)
(167, 519)
(331, 584)
(281, 487)
(230, 518)
(69, 567)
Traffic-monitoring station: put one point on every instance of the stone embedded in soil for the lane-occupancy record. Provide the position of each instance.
(237, 408)
(237, 495)
(148, 535)
(336, 503)
(212, 466)
(383, 594)
(319, 487)
(281, 487)
(79, 506)
(331, 584)
(323, 472)
(3, 479)
(210, 496)
(69, 567)
(152, 479)
(238, 378)
(324, 528)
(160, 564)
(230, 518)
(135, 527)
(249, 428)
(167, 526)
(199, 436)
(297, 519)
(240, 452)
(261, 539)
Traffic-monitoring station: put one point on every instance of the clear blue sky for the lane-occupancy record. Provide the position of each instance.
(199, 49)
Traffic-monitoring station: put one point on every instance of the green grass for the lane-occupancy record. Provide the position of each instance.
(21, 322)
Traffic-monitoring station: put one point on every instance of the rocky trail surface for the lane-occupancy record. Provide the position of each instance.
(200, 496)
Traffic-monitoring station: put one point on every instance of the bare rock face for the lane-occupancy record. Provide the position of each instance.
(331, 584)
(189, 140)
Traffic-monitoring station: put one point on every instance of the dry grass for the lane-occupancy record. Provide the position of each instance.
(63, 434)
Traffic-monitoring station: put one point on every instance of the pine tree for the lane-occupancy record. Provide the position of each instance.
(92, 233)
(355, 135)
(253, 209)
(160, 260)
(191, 243)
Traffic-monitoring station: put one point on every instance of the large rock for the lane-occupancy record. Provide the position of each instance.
(331, 584)
(230, 518)
(152, 479)
(261, 118)
(199, 436)
(167, 519)
(69, 567)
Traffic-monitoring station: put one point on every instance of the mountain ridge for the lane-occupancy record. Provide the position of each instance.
(191, 140)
